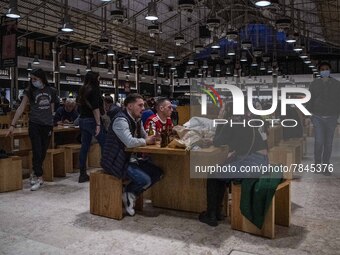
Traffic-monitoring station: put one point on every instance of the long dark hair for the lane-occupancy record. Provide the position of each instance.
(90, 82)
(38, 72)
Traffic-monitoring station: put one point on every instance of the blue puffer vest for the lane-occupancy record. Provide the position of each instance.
(115, 159)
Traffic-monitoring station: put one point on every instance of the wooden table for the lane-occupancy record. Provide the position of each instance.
(7, 143)
(177, 190)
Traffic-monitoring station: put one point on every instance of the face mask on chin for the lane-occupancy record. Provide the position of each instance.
(325, 73)
(38, 84)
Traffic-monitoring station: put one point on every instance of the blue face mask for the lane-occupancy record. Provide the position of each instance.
(325, 73)
(38, 84)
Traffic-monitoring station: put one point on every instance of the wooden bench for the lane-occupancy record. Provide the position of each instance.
(94, 155)
(54, 164)
(10, 174)
(274, 136)
(279, 212)
(71, 157)
(106, 196)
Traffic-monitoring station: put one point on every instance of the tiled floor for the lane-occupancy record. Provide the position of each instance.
(56, 220)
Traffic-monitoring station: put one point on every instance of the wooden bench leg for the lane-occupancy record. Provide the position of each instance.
(69, 160)
(48, 168)
(283, 206)
(59, 165)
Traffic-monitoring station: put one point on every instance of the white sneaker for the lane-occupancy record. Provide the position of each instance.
(33, 179)
(129, 201)
(37, 184)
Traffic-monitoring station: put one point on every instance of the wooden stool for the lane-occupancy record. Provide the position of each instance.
(10, 174)
(71, 157)
(278, 213)
(282, 156)
(106, 196)
(54, 164)
(94, 155)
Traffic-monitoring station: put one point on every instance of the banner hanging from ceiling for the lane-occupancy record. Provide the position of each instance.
(8, 42)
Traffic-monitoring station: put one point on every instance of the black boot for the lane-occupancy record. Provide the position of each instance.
(208, 218)
(220, 190)
(83, 177)
(213, 189)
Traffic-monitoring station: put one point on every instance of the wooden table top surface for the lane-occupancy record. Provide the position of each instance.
(24, 131)
(156, 149)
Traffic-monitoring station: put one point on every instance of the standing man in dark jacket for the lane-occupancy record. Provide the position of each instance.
(325, 107)
(126, 131)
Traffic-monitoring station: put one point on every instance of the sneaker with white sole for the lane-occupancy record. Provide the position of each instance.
(33, 179)
(37, 184)
(129, 202)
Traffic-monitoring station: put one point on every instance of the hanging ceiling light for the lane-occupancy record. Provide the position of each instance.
(78, 72)
(205, 64)
(151, 51)
(179, 39)
(76, 57)
(186, 5)
(307, 61)
(291, 38)
(145, 68)
(110, 51)
(102, 61)
(213, 23)
(232, 35)
(257, 52)
(36, 60)
(298, 47)
(262, 67)
(254, 63)
(109, 70)
(215, 44)
(153, 30)
(171, 56)
(29, 67)
(62, 64)
(13, 12)
(303, 55)
(231, 52)
(198, 48)
(88, 67)
(152, 11)
(161, 71)
(228, 72)
(270, 69)
(191, 61)
(244, 57)
(218, 68)
(126, 64)
(246, 45)
(133, 57)
(67, 26)
(262, 3)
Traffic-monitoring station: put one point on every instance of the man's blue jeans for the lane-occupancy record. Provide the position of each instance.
(87, 130)
(324, 127)
(142, 176)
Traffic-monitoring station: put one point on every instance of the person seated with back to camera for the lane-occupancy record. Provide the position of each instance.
(162, 119)
(66, 114)
(249, 147)
(126, 131)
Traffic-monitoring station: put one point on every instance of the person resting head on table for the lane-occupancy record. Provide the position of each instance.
(126, 131)
(66, 114)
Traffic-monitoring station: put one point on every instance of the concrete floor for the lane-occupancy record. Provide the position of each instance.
(56, 220)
